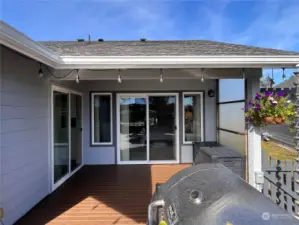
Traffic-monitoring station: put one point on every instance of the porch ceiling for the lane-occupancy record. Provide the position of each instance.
(154, 74)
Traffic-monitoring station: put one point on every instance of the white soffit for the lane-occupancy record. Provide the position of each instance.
(19, 42)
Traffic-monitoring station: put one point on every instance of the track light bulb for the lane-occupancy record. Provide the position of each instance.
(41, 73)
(202, 76)
(119, 79)
(161, 78)
(161, 75)
(284, 77)
(77, 78)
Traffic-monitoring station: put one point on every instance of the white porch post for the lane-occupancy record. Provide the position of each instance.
(254, 138)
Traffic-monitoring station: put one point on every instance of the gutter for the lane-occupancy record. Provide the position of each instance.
(134, 62)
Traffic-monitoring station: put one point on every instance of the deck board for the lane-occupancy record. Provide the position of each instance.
(102, 195)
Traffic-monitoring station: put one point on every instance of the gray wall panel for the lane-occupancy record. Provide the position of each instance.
(24, 135)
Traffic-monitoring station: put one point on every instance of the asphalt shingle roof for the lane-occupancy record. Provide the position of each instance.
(158, 48)
(290, 83)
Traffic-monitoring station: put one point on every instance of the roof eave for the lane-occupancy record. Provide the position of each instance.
(19, 42)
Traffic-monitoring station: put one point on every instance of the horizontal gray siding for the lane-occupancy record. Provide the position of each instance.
(24, 135)
(107, 154)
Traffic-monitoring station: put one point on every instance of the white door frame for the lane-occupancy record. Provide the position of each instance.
(69, 174)
(146, 96)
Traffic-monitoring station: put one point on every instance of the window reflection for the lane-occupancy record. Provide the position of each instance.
(193, 117)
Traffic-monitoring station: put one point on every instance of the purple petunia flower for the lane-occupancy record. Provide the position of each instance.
(268, 93)
(258, 96)
(250, 121)
(281, 93)
(250, 102)
(257, 105)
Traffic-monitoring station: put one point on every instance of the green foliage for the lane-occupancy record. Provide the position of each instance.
(270, 104)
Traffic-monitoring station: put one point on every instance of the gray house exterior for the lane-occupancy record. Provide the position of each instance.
(35, 159)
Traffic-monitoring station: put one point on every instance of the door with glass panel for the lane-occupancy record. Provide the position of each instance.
(67, 134)
(162, 128)
(61, 134)
(132, 129)
(76, 131)
(147, 128)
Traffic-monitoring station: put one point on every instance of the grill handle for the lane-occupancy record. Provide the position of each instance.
(152, 206)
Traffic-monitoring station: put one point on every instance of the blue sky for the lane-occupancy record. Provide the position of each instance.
(269, 23)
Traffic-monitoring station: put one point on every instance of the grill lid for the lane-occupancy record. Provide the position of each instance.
(210, 194)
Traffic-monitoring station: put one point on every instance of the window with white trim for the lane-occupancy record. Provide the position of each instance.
(192, 117)
(101, 106)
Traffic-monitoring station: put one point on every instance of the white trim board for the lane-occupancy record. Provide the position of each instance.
(16, 40)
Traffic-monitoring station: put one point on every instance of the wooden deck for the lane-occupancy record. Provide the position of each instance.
(102, 195)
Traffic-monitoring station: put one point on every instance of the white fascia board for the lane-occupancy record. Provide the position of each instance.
(112, 62)
(19, 42)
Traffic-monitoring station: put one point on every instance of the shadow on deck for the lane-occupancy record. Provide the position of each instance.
(102, 195)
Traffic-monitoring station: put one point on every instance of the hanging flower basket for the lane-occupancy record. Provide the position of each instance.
(270, 108)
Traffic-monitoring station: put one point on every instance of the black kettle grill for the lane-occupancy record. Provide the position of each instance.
(210, 194)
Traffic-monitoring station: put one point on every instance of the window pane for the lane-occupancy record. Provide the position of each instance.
(61, 134)
(192, 117)
(162, 131)
(102, 118)
(234, 141)
(231, 90)
(133, 126)
(231, 117)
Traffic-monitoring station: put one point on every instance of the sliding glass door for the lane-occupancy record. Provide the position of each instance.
(132, 128)
(147, 128)
(162, 128)
(67, 134)
(76, 131)
(61, 134)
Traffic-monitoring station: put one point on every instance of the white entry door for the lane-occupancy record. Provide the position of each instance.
(147, 128)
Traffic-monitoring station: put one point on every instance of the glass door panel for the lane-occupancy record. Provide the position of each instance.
(61, 134)
(133, 128)
(162, 128)
(76, 131)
